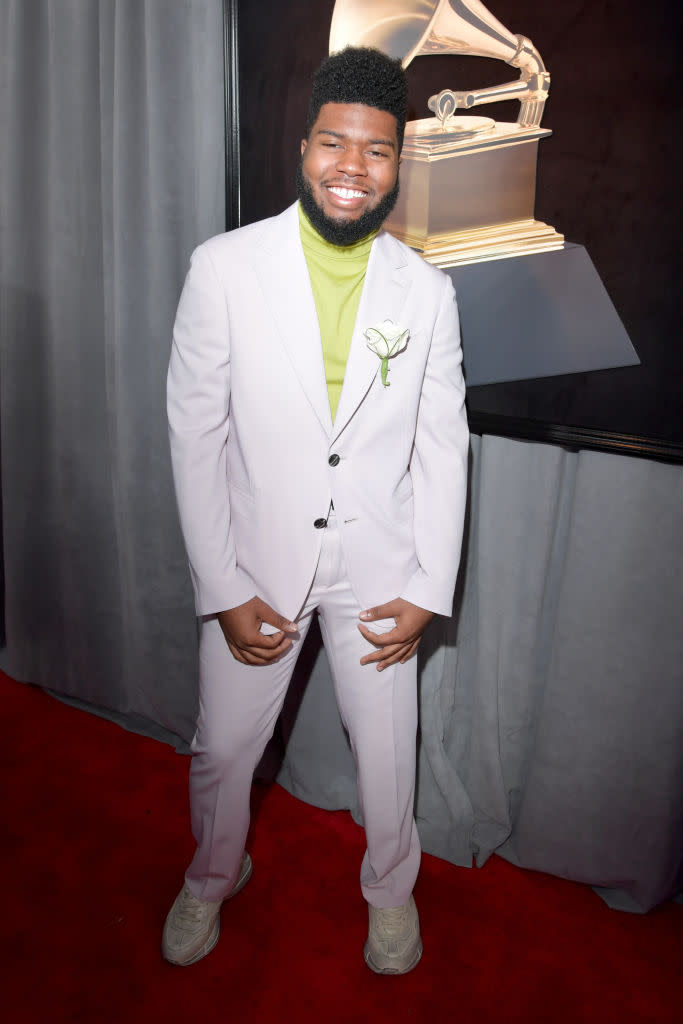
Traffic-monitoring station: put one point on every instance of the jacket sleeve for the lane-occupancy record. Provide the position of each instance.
(198, 396)
(438, 465)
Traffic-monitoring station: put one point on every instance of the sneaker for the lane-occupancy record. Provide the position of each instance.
(394, 945)
(193, 926)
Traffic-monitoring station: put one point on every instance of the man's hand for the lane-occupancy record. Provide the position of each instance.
(242, 631)
(399, 643)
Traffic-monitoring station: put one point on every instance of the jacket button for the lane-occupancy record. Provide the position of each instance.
(320, 524)
(334, 460)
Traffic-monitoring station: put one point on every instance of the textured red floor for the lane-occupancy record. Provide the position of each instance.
(96, 840)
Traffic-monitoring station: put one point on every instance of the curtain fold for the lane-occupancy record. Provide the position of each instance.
(111, 171)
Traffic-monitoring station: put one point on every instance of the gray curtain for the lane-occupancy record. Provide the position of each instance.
(551, 718)
(111, 171)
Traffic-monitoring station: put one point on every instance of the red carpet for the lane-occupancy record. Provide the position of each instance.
(96, 841)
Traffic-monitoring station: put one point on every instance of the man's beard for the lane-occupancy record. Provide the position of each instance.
(343, 232)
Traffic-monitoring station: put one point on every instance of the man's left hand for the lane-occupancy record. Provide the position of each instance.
(399, 643)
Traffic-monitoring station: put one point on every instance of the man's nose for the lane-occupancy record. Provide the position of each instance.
(351, 162)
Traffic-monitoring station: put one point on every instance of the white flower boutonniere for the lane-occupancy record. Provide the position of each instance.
(386, 340)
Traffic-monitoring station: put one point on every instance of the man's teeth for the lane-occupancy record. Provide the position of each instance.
(347, 193)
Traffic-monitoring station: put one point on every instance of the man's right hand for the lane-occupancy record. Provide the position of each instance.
(242, 631)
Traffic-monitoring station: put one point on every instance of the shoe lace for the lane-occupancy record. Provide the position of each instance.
(394, 920)
(191, 911)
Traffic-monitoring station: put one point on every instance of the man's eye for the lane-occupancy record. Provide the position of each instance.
(377, 152)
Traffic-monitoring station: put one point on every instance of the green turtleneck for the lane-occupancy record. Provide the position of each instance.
(337, 275)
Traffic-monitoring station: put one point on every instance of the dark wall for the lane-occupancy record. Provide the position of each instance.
(609, 176)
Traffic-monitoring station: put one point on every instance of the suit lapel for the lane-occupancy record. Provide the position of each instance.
(384, 292)
(281, 268)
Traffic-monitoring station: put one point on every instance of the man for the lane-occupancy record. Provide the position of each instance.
(319, 444)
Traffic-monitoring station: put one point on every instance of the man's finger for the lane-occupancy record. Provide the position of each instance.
(382, 655)
(411, 652)
(236, 653)
(382, 611)
(264, 642)
(392, 636)
(253, 643)
(280, 649)
(267, 641)
(250, 654)
(400, 656)
(270, 617)
(268, 654)
(391, 655)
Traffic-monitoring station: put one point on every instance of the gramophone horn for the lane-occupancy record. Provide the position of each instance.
(407, 29)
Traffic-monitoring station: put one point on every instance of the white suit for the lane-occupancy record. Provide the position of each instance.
(257, 463)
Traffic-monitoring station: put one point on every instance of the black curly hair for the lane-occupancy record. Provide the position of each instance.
(359, 74)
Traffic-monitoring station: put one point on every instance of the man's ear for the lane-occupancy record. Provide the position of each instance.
(304, 143)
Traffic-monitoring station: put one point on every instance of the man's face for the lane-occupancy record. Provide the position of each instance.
(348, 177)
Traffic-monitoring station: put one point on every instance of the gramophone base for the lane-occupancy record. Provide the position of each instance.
(467, 195)
(518, 238)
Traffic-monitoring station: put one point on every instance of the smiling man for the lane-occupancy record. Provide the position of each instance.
(319, 446)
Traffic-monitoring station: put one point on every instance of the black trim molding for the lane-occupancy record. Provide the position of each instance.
(575, 438)
(232, 115)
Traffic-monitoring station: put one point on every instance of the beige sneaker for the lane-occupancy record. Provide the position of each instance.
(193, 926)
(394, 945)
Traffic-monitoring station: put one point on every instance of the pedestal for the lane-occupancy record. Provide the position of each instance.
(468, 195)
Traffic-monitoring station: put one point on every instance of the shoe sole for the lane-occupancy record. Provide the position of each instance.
(393, 970)
(204, 951)
(247, 869)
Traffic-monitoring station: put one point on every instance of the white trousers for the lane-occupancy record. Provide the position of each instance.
(239, 706)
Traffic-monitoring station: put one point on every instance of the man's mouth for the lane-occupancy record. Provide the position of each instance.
(346, 193)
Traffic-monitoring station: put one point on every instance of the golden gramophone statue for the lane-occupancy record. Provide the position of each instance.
(467, 183)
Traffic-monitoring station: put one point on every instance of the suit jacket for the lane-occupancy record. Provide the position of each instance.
(253, 443)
